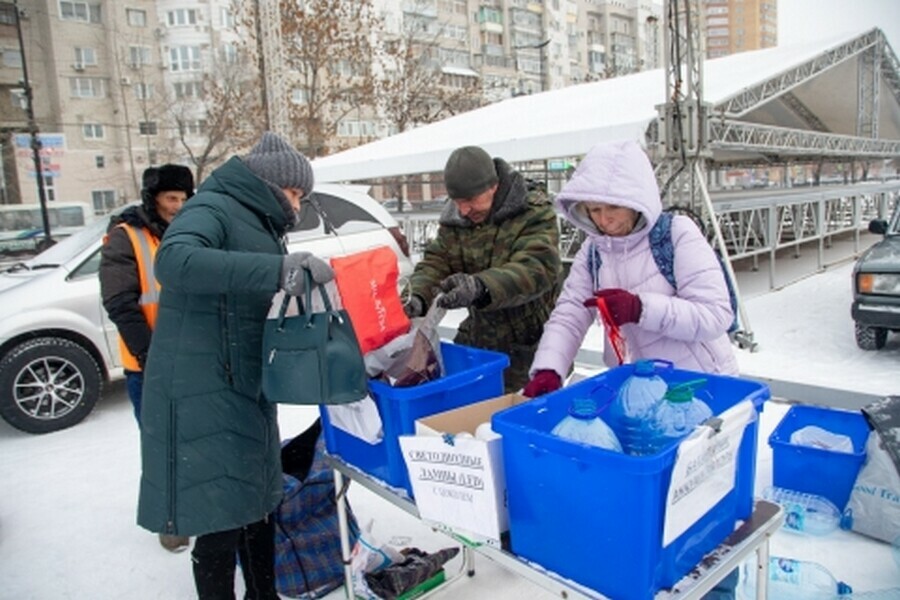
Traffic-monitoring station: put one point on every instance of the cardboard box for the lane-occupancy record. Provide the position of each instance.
(458, 482)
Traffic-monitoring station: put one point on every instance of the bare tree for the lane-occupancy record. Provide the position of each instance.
(329, 52)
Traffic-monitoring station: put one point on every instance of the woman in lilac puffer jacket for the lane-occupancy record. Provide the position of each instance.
(613, 197)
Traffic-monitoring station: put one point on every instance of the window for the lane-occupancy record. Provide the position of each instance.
(147, 128)
(185, 58)
(49, 187)
(229, 54)
(100, 161)
(188, 89)
(195, 127)
(12, 58)
(103, 200)
(92, 131)
(182, 16)
(85, 56)
(138, 56)
(17, 96)
(136, 18)
(359, 129)
(299, 96)
(227, 18)
(87, 87)
(79, 11)
(143, 91)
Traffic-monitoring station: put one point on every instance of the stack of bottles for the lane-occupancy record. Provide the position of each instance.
(649, 415)
(805, 513)
(583, 424)
(791, 579)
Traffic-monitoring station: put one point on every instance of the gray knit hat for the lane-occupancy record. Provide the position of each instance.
(277, 162)
(469, 171)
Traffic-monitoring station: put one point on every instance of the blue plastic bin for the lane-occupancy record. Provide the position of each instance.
(596, 516)
(828, 473)
(471, 375)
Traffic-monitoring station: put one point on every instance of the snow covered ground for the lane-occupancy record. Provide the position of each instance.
(67, 505)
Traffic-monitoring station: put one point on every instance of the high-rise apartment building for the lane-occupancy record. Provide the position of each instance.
(121, 86)
(739, 25)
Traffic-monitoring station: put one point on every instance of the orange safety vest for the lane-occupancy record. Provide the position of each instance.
(145, 245)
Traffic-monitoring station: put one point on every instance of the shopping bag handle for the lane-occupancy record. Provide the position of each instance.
(307, 301)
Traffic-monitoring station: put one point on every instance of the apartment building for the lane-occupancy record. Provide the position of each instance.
(119, 86)
(739, 25)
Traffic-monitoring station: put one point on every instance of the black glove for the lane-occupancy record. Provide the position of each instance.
(461, 290)
(292, 280)
(414, 307)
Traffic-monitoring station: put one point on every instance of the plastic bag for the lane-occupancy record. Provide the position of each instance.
(360, 419)
(414, 357)
(816, 437)
(874, 505)
(369, 556)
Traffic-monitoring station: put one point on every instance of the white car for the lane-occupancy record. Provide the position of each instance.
(57, 346)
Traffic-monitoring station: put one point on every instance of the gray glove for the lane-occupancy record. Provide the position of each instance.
(461, 290)
(293, 281)
(414, 307)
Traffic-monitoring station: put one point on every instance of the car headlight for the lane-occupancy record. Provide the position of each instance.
(887, 284)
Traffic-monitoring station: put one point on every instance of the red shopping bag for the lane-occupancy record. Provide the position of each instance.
(367, 283)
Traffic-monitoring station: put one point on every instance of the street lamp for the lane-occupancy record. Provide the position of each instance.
(540, 48)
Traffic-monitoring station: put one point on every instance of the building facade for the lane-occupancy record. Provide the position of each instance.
(739, 25)
(120, 86)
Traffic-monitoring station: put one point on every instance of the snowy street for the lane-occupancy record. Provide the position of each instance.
(67, 512)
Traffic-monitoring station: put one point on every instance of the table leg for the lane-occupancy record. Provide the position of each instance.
(762, 569)
(344, 531)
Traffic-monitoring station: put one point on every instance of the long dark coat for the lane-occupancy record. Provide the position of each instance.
(209, 440)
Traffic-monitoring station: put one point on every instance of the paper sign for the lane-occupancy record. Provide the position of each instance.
(704, 470)
(458, 482)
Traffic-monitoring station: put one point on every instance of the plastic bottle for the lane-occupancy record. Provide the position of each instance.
(631, 414)
(884, 594)
(791, 579)
(805, 513)
(680, 412)
(583, 424)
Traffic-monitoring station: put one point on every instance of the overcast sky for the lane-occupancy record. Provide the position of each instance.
(804, 20)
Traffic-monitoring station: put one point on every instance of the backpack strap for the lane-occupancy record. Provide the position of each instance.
(662, 248)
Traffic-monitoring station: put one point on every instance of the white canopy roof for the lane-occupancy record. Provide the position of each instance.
(569, 121)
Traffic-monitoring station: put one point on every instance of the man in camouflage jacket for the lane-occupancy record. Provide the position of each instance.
(497, 254)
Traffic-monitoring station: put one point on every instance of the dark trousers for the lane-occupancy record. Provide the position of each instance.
(214, 562)
(134, 381)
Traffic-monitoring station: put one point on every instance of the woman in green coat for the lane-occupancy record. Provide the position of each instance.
(209, 441)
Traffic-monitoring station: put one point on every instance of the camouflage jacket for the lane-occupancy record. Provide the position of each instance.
(515, 253)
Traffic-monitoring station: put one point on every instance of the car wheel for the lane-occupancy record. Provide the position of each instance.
(48, 384)
(870, 338)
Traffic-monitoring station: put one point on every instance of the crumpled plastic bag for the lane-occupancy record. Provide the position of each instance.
(369, 555)
(874, 505)
(414, 357)
(415, 568)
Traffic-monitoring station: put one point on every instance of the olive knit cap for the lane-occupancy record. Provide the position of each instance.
(275, 161)
(469, 171)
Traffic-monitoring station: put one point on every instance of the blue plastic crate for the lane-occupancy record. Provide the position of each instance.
(471, 375)
(596, 516)
(828, 473)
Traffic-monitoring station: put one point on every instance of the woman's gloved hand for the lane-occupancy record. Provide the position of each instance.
(624, 307)
(292, 280)
(543, 382)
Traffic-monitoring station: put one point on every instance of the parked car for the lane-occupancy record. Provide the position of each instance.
(57, 346)
(876, 286)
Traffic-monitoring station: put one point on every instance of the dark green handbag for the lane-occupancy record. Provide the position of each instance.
(312, 358)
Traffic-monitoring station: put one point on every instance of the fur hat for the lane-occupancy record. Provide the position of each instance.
(275, 161)
(469, 171)
(165, 178)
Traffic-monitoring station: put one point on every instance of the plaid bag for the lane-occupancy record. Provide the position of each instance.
(307, 540)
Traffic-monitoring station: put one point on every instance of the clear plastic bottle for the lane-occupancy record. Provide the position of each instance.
(884, 594)
(805, 513)
(583, 424)
(636, 401)
(791, 579)
(679, 412)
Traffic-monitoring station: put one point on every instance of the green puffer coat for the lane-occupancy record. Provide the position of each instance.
(515, 253)
(209, 440)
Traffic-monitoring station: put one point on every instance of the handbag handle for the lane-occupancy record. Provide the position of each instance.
(285, 302)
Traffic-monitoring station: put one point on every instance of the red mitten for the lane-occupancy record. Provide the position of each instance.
(624, 307)
(543, 382)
